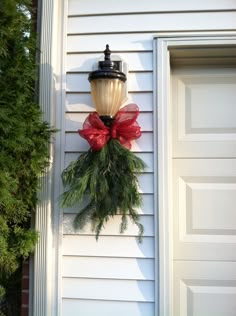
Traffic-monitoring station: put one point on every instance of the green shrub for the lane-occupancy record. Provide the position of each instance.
(24, 137)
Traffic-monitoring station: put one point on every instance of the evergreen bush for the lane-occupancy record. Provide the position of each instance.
(24, 137)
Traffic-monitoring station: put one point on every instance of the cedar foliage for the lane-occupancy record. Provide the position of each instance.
(108, 178)
(24, 137)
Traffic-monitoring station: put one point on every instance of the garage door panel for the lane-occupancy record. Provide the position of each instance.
(203, 197)
(205, 288)
(208, 251)
(204, 212)
(204, 112)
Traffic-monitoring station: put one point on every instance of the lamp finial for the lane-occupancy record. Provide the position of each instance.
(107, 53)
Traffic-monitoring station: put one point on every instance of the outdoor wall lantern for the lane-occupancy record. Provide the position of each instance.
(106, 175)
(107, 88)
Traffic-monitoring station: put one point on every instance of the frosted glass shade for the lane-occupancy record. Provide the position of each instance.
(108, 95)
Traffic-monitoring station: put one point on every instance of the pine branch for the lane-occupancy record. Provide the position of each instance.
(108, 178)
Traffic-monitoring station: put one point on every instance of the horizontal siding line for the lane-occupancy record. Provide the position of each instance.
(88, 72)
(75, 132)
(150, 32)
(113, 52)
(69, 72)
(103, 278)
(120, 235)
(85, 300)
(139, 173)
(117, 237)
(82, 152)
(107, 257)
(78, 72)
(77, 92)
(75, 212)
(88, 92)
(107, 33)
(116, 32)
(88, 112)
(103, 300)
(140, 91)
(150, 12)
(140, 215)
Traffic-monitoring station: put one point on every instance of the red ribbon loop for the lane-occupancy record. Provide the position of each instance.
(95, 132)
(125, 128)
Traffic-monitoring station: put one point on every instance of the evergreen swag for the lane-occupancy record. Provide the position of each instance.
(108, 178)
(24, 139)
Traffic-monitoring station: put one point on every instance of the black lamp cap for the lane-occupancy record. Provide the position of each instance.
(107, 69)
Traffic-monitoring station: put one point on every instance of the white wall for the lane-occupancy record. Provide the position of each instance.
(116, 275)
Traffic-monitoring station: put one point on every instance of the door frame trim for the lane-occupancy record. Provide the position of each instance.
(163, 43)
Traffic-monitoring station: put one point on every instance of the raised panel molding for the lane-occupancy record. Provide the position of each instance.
(210, 203)
(207, 111)
(212, 207)
(204, 111)
(205, 288)
(204, 215)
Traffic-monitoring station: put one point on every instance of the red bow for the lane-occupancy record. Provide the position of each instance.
(125, 128)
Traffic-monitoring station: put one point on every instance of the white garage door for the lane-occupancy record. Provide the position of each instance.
(204, 190)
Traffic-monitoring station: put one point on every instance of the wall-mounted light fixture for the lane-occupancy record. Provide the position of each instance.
(107, 173)
(107, 87)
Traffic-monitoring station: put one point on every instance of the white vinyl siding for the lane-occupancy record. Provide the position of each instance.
(162, 22)
(85, 7)
(116, 275)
